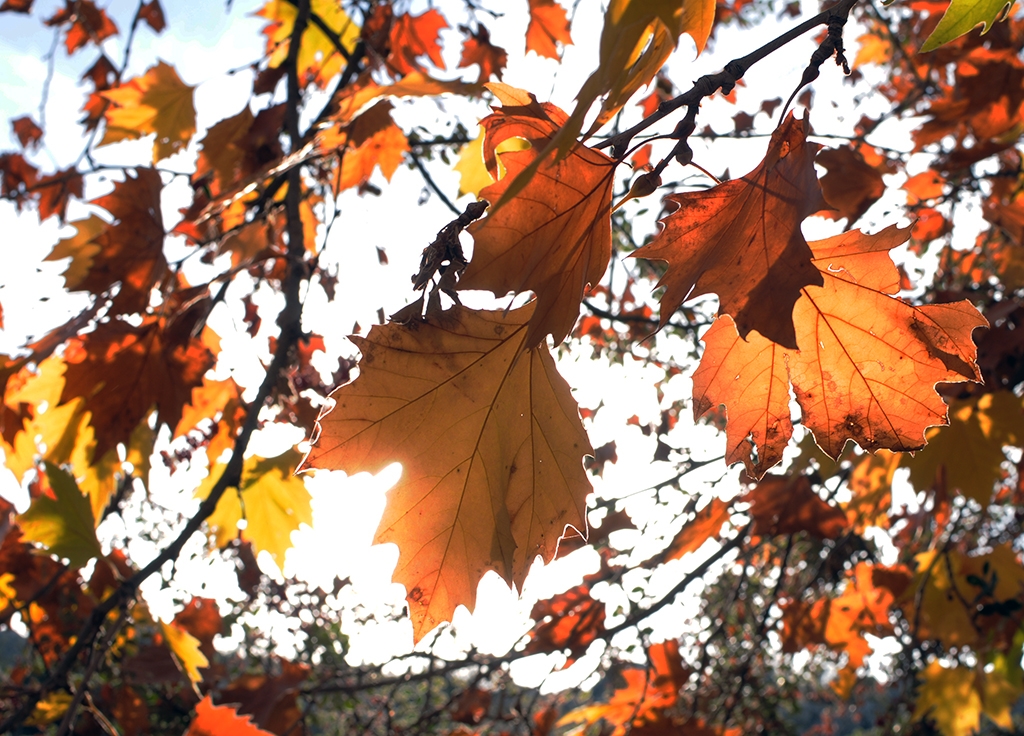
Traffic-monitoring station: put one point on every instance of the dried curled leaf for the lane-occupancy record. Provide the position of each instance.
(866, 370)
(491, 445)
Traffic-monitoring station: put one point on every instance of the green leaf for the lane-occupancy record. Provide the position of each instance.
(63, 523)
(961, 17)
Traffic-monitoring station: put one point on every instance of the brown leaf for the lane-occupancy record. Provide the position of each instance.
(554, 237)
(128, 252)
(867, 369)
(55, 191)
(548, 27)
(851, 185)
(153, 14)
(28, 133)
(85, 23)
(16, 177)
(781, 504)
(122, 370)
(270, 700)
(491, 445)
(742, 240)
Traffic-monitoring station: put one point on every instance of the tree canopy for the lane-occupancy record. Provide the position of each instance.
(831, 339)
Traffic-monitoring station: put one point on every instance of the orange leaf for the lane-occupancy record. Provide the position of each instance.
(85, 22)
(706, 524)
(566, 621)
(129, 252)
(413, 36)
(478, 49)
(491, 445)
(554, 237)
(548, 27)
(781, 504)
(123, 370)
(867, 369)
(157, 102)
(55, 190)
(221, 720)
(742, 240)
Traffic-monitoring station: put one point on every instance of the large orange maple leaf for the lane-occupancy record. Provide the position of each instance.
(742, 240)
(866, 369)
(491, 446)
(555, 236)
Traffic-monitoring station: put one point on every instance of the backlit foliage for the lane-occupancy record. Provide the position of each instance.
(878, 417)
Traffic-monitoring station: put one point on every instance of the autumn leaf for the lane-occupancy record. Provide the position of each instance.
(221, 720)
(566, 622)
(978, 430)
(122, 370)
(272, 500)
(185, 649)
(85, 22)
(55, 191)
(478, 49)
(948, 696)
(548, 27)
(27, 132)
(129, 251)
(413, 36)
(867, 369)
(62, 520)
(782, 504)
(705, 525)
(415, 84)
(491, 445)
(473, 173)
(318, 58)
(742, 240)
(850, 185)
(963, 16)
(153, 14)
(370, 141)
(554, 238)
(157, 102)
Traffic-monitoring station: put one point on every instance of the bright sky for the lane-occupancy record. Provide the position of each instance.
(203, 43)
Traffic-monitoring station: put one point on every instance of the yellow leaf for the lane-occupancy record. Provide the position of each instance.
(949, 698)
(969, 452)
(50, 709)
(1002, 687)
(317, 53)
(62, 522)
(491, 445)
(157, 102)
(272, 500)
(472, 169)
(185, 649)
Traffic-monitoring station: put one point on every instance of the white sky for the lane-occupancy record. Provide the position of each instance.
(202, 42)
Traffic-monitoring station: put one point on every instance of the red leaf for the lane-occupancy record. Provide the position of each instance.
(28, 133)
